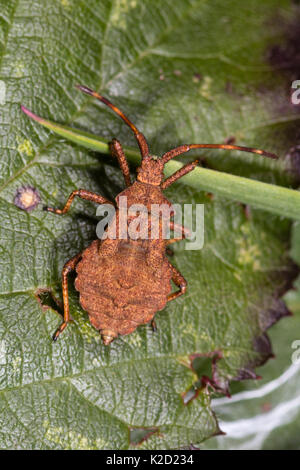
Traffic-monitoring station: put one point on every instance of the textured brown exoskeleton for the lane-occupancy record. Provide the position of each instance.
(123, 283)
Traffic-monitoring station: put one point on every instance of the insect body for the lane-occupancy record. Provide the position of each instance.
(121, 292)
(124, 282)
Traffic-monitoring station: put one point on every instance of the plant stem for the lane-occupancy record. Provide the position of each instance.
(276, 199)
(269, 197)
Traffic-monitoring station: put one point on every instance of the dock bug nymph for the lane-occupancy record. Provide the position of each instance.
(124, 282)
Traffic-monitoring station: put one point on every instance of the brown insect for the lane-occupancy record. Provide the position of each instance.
(124, 282)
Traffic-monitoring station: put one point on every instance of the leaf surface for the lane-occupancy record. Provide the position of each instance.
(183, 71)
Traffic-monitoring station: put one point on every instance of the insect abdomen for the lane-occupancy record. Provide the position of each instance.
(123, 292)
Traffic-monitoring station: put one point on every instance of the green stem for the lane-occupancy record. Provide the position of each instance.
(269, 197)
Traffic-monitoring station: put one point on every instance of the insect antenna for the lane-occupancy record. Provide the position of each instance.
(141, 140)
(185, 148)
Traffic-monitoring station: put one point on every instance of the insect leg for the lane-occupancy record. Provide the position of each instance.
(179, 280)
(179, 173)
(178, 228)
(68, 267)
(185, 231)
(117, 151)
(173, 240)
(83, 194)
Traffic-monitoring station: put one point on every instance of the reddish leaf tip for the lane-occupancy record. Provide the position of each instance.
(30, 113)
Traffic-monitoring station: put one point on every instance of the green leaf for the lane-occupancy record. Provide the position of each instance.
(188, 71)
(265, 414)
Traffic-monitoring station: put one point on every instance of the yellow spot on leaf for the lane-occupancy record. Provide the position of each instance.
(26, 148)
(188, 329)
(237, 276)
(248, 253)
(245, 229)
(226, 353)
(205, 88)
(86, 329)
(69, 440)
(121, 9)
(65, 3)
(134, 339)
(19, 69)
(16, 362)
